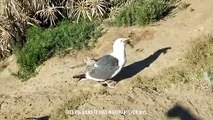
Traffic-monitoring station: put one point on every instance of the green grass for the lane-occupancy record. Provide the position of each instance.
(43, 43)
(143, 12)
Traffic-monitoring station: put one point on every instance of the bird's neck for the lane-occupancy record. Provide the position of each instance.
(120, 54)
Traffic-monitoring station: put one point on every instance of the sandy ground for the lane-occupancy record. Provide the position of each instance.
(54, 86)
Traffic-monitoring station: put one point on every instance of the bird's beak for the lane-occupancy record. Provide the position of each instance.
(129, 42)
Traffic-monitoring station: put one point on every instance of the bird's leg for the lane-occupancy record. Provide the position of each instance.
(112, 82)
(108, 83)
(102, 82)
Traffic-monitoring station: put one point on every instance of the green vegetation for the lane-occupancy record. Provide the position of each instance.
(43, 43)
(198, 60)
(143, 12)
(33, 28)
(19, 15)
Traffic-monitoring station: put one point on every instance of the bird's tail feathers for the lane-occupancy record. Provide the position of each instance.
(81, 76)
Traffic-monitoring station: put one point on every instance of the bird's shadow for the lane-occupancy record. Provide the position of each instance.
(38, 118)
(134, 68)
(180, 112)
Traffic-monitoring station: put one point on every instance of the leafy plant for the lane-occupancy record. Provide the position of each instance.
(119, 3)
(19, 14)
(142, 12)
(43, 43)
(15, 20)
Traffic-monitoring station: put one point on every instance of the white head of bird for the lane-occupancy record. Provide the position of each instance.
(119, 49)
(119, 45)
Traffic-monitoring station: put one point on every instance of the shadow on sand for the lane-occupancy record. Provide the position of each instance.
(38, 118)
(180, 112)
(134, 68)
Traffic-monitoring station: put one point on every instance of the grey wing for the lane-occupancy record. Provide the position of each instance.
(104, 67)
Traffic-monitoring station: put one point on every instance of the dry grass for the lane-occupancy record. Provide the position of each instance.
(2, 2)
(49, 14)
(20, 15)
(76, 101)
(169, 77)
(99, 8)
(4, 42)
(198, 58)
(71, 104)
(82, 10)
(87, 9)
(197, 66)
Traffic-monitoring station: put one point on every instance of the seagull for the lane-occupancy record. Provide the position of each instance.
(107, 66)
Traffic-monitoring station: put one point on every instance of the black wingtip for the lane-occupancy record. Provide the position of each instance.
(81, 76)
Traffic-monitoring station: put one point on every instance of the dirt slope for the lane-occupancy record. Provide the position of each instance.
(54, 86)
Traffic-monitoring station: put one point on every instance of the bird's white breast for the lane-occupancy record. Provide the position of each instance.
(121, 63)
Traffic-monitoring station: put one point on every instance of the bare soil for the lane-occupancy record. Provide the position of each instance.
(54, 86)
